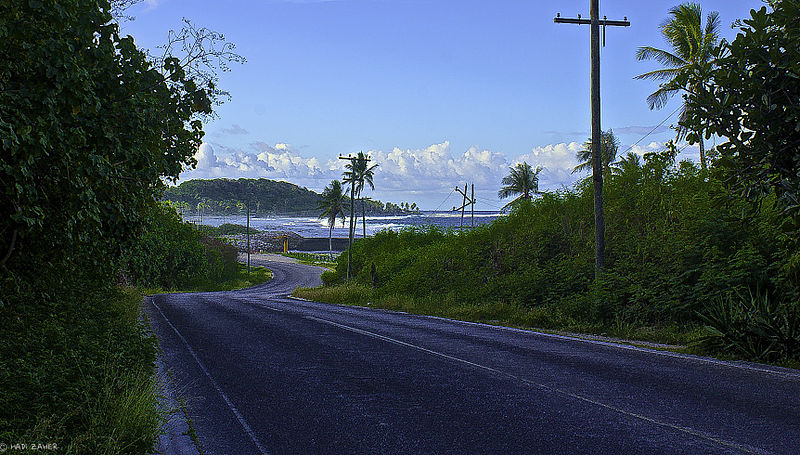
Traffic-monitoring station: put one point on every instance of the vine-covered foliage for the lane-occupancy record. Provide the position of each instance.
(172, 254)
(90, 129)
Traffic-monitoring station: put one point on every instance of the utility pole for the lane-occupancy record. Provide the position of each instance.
(248, 237)
(473, 206)
(597, 159)
(466, 200)
(352, 206)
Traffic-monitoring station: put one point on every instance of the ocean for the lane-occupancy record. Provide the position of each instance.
(315, 227)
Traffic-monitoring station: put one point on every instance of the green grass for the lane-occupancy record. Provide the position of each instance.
(241, 280)
(539, 317)
(80, 376)
(318, 259)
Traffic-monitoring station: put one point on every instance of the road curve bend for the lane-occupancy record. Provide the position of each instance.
(266, 374)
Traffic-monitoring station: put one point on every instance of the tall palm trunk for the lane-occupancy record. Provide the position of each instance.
(364, 217)
(330, 239)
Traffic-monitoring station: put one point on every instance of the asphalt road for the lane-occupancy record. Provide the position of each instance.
(265, 374)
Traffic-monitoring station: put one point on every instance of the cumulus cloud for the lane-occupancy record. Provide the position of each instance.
(425, 174)
(436, 167)
(557, 161)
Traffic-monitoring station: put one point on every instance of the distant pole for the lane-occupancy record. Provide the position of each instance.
(597, 163)
(248, 236)
(473, 205)
(463, 204)
(466, 200)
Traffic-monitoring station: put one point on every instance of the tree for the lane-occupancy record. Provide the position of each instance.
(90, 129)
(361, 174)
(522, 180)
(692, 52)
(752, 98)
(610, 148)
(333, 204)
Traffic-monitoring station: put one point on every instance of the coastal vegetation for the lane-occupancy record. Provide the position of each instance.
(333, 205)
(202, 197)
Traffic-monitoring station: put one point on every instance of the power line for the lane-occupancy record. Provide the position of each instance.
(445, 200)
(652, 131)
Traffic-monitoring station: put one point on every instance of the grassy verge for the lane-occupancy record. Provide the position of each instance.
(540, 317)
(543, 318)
(79, 378)
(240, 280)
(318, 259)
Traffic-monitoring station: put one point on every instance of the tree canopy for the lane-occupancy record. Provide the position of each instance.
(752, 98)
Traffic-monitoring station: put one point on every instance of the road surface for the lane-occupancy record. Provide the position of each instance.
(266, 374)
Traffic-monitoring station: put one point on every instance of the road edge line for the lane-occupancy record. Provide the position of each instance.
(214, 383)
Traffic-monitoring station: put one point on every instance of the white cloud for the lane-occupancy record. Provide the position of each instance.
(557, 161)
(435, 167)
(424, 175)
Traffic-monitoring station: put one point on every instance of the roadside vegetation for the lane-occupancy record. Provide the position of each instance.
(91, 130)
(706, 255)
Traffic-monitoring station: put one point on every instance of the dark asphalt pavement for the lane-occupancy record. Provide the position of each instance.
(265, 374)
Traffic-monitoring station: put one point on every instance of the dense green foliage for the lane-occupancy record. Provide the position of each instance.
(752, 98)
(677, 243)
(172, 254)
(267, 197)
(90, 129)
(229, 196)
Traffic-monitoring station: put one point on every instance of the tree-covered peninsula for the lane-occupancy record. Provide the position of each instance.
(266, 197)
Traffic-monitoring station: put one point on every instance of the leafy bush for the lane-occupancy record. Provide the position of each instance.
(171, 254)
(678, 241)
(758, 327)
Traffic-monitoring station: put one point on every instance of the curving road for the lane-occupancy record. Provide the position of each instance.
(266, 374)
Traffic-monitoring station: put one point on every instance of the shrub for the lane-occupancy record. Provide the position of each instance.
(758, 327)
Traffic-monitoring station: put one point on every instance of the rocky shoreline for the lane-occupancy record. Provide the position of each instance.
(272, 241)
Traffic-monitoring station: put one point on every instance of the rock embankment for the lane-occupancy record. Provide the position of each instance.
(273, 242)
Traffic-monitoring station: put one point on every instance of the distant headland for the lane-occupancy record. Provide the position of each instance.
(266, 197)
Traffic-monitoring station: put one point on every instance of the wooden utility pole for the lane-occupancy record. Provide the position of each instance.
(597, 155)
(352, 206)
(465, 202)
(248, 236)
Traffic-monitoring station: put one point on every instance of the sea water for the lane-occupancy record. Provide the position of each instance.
(315, 227)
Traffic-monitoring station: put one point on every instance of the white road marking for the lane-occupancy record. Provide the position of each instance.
(610, 344)
(224, 396)
(730, 444)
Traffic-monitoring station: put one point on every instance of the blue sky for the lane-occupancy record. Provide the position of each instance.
(439, 92)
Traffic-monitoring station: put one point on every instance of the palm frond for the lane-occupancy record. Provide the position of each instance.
(665, 73)
(661, 56)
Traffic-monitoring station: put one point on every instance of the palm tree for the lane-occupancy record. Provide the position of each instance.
(361, 174)
(627, 165)
(522, 180)
(333, 204)
(692, 49)
(610, 147)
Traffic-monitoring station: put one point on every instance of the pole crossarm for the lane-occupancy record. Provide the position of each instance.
(603, 22)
